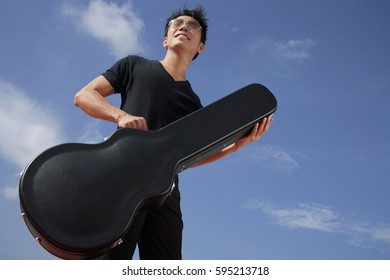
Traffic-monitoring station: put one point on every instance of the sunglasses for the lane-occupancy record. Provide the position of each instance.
(191, 24)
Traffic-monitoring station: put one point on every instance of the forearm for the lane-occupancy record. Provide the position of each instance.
(258, 130)
(92, 100)
(95, 105)
(224, 152)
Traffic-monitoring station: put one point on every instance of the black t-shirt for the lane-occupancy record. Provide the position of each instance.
(149, 91)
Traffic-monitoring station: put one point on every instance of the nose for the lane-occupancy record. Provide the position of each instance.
(184, 26)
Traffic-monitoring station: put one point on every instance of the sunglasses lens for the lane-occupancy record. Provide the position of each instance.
(177, 22)
(192, 24)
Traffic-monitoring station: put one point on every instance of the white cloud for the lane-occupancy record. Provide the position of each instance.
(294, 49)
(274, 158)
(10, 192)
(321, 218)
(92, 134)
(229, 27)
(382, 234)
(315, 217)
(284, 51)
(26, 128)
(118, 27)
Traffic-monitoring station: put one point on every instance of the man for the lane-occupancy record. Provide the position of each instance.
(154, 94)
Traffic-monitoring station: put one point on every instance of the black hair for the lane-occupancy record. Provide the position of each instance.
(198, 13)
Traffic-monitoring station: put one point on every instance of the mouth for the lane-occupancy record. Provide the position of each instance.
(181, 34)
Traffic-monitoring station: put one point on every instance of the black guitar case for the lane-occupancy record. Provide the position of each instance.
(79, 200)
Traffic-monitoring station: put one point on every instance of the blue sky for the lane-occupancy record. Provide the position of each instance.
(316, 186)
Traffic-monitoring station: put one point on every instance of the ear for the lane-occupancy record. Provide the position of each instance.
(165, 43)
(201, 47)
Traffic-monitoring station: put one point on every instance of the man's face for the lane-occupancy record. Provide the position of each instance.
(184, 32)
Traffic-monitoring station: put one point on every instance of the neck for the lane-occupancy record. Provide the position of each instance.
(176, 65)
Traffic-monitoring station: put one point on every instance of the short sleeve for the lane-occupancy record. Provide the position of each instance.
(119, 75)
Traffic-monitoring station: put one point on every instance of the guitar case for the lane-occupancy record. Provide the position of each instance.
(78, 200)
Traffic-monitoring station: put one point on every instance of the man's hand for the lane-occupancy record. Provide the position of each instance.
(131, 121)
(92, 100)
(258, 130)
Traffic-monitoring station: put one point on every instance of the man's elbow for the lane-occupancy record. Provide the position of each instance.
(78, 99)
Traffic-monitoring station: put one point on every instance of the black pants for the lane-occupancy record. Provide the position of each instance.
(158, 233)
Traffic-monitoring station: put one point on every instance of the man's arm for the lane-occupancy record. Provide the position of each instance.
(92, 100)
(258, 130)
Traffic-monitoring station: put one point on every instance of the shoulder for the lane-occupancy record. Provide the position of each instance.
(131, 59)
(135, 61)
(128, 64)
